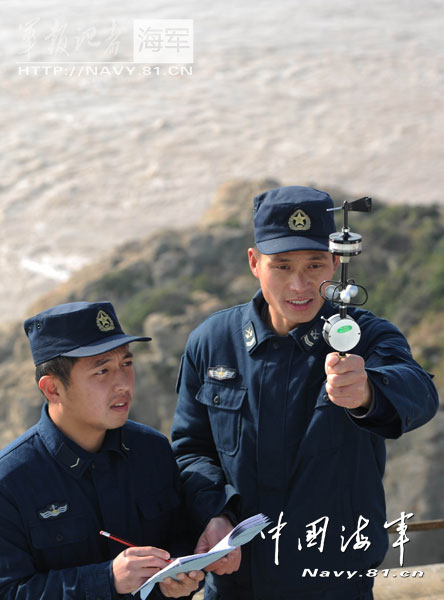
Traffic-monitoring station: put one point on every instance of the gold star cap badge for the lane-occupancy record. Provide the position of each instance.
(299, 221)
(104, 321)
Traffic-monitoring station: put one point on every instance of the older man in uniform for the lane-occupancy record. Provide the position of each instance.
(270, 420)
(84, 468)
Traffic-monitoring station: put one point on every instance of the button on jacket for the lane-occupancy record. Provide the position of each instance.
(55, 497)
(255, 431)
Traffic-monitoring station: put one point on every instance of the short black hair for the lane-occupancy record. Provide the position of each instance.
(60, 367)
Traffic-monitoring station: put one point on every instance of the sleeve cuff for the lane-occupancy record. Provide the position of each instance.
(98, 581)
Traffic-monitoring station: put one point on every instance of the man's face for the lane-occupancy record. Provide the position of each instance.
(290, 283)
(98, 397)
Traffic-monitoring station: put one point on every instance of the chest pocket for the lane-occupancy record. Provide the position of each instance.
(224, 405)
(60, 543)
(57, 533)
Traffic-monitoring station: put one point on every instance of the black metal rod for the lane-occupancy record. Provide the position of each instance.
(345, 229)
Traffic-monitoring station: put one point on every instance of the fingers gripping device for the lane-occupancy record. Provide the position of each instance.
(341, 331)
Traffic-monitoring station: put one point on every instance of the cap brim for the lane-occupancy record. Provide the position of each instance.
(102, 345)
(292, 243)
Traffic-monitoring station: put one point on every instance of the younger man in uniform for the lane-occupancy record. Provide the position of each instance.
(84, 468)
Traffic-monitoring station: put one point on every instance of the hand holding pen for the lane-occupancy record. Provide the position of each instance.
(133, 566)
(121, 540)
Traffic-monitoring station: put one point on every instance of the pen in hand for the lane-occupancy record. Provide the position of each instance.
(121, 541)
(117, 539)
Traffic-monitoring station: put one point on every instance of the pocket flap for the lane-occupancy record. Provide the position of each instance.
(220, 396)
(59, 532)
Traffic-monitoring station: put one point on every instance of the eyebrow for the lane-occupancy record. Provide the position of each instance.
(323, 256)
(277, 258)
(102, 361)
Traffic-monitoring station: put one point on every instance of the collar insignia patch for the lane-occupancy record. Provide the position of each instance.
(299, 221)
(249, 336)
(220, 372)
(311, 337)
(53, 510)
(104, 321)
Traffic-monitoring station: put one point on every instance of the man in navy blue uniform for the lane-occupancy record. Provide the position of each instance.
(270, 420)
(84, 468)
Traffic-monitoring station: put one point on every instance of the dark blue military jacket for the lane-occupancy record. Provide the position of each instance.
(55, 497)
(255, 431)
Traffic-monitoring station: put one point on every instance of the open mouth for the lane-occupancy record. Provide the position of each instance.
(299, 305)
(299, 302)
(120, 406)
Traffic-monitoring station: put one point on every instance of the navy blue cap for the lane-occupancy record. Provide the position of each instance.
(76, 329)
(292, 218)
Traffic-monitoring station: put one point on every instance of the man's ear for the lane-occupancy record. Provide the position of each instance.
(253, 259)
(335, 261)
(51, 387)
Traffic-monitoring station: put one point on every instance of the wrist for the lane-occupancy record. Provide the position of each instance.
(230, 516)
(365, 409)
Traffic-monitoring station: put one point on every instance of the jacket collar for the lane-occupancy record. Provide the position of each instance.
(67, 453)
(255, 331)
